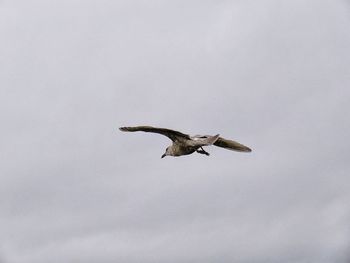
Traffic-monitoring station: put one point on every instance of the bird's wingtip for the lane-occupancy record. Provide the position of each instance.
(247, 149)
(123, 129)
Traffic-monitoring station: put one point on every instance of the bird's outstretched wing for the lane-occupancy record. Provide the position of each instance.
(231, 145)
(173, 135)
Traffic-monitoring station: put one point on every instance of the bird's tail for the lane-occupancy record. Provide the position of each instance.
(206, 140)
(212, 139)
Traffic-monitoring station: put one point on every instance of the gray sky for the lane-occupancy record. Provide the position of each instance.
(271, 74)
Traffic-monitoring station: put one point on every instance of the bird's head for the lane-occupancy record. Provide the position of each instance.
(167, 152)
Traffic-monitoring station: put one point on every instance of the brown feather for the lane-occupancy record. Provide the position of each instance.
(173, 135)
(231, 145)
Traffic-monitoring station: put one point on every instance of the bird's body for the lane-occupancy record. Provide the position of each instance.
(183, 144)
(177, 149)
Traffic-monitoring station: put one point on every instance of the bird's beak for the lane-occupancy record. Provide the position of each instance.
(163, 155)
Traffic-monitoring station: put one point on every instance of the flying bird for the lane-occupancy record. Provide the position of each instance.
(184, 144)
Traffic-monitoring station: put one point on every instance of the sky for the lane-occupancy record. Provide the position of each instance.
(273, 75)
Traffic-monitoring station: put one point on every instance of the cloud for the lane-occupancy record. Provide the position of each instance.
(270, 75)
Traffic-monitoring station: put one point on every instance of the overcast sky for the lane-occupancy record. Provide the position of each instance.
(273, 75)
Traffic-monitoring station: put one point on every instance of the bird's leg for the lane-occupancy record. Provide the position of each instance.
(201, 151)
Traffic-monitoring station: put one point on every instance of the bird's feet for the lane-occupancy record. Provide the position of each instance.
(201, 151)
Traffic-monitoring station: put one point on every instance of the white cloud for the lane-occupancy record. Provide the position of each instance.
(272, 75)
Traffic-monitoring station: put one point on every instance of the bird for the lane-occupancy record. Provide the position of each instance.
(184, 144)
